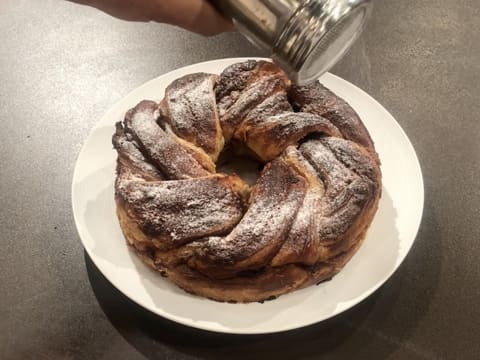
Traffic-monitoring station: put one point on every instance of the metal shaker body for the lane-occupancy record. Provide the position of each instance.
(305, 37)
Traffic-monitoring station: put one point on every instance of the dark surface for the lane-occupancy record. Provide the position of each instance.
(63, 66)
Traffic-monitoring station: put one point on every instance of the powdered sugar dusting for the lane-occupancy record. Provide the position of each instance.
(233, 113)
(346, 196)
(192, 113)
(275, 200)
(163, 151)
(179, 211)
(273, 134)
(317, 99)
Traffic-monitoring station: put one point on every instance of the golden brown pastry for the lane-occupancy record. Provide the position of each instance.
(210, 233)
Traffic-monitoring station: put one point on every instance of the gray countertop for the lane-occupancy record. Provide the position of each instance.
(62, 66)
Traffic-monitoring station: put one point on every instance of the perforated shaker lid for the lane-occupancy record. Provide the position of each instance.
(318, 35)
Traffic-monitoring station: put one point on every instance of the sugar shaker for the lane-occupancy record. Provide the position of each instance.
(304, 37)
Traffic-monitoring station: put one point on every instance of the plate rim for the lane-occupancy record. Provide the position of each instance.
(249, 331)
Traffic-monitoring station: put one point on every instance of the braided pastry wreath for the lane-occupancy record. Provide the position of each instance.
(211, 233)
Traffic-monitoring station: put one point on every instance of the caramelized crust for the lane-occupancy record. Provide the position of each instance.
(177, 212)
(302, 244)
(160, 148)
(130, 161)
(270, 137)
(273, 105)
(348, 194)
(274, 201)
(317, 99)
(210, 233)
(190, 108)
(244, 86)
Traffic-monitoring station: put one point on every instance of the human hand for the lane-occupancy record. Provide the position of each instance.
(195, 15)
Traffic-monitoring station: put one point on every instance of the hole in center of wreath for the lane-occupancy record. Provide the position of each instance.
(238, 162)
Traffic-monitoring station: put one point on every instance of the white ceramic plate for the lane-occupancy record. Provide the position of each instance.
(388, 241)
